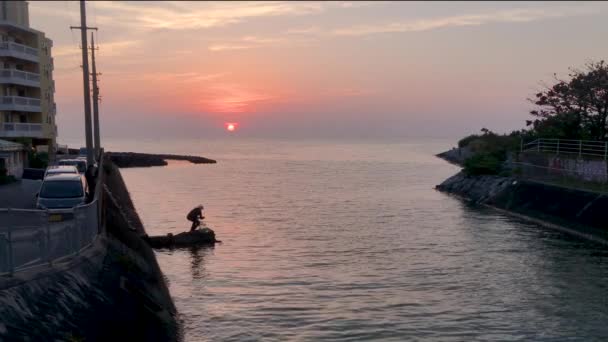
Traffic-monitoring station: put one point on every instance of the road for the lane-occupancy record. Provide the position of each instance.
(19, 195)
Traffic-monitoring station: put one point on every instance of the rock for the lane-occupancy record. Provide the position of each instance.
(199, 237)
(456, 155)
(478, 189)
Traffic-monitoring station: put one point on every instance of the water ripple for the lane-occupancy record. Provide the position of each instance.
(323, 244)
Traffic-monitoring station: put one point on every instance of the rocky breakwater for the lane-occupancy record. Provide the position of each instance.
(578, 212)
(456, 155)
(133, 159)
(477, 189)
(201, 237)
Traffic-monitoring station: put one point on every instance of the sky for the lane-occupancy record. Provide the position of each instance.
(316, 69)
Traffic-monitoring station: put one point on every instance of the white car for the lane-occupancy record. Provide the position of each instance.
(57, 169)
(62, 191)
(80, 164)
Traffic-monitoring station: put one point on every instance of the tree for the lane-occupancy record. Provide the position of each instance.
(576, 108)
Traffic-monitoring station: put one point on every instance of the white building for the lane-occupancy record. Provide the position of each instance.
(13, 157)
(27, 107)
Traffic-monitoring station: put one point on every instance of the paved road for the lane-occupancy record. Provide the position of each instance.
(20, 194)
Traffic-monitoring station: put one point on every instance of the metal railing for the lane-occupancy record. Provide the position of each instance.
(565, 146)
(20, 103)
(22, 127)
(20, 48)
(33, 238)
(19, 77)
(31, 130)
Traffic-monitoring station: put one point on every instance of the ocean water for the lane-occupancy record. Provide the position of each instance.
(349, 241)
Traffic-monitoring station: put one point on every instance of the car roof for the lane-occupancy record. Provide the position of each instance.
(62, 167)
(73, 160)
(63, 177)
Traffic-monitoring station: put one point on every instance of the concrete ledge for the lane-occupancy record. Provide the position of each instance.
(577, 212)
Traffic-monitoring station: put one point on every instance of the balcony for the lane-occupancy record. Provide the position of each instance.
(13, 76)
(17, 130)
(20, 104)
(10, 49)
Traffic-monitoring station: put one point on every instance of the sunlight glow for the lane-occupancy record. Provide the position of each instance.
(231, 126)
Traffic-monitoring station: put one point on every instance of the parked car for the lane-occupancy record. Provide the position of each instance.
(57, 169)
(61, 191)
(82, 152)
(81, 164)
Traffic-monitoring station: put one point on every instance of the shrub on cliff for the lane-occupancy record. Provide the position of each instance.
(483, 164)
(491, 143)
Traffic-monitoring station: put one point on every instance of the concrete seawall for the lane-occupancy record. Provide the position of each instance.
(113, 291)
(581, 213)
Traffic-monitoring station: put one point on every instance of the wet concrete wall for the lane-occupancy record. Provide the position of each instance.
(582, 167)
(581, 213)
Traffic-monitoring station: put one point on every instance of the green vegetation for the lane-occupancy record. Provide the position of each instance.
(38, 160)
(482, 164)
(575, 108)
(4, 177)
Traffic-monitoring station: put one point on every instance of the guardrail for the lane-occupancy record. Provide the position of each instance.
(24, 75)
(566, 146)
(30, 130)
(31, 238)
(19, 48)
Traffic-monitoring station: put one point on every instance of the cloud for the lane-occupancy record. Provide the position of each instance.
(505, 16)
(312, 30)
(197, 15)
(231, 98)
(227, 47)
(247, 42)
(110, 49)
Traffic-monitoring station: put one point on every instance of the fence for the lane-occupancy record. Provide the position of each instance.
(597, 149)
(30, 238)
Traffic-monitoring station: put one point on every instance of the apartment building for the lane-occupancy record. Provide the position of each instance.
(27, 105)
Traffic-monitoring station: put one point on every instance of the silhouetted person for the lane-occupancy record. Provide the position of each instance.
(194, 215)
(91, 176)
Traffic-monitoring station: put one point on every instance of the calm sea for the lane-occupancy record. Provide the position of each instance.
(349, 241)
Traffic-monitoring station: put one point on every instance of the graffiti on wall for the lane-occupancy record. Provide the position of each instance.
(589, 170)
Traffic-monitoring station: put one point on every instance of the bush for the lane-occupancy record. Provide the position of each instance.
(5, 178)
(482, 164)
(39, 160)
(467, 140)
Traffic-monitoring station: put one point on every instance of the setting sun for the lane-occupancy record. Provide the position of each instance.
(231, 126)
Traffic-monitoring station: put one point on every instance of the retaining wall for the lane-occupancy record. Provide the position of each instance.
(581, 213)
(113, 291)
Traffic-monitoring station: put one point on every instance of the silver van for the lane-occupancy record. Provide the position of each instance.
(62, 191)
(57, 169)
(81, 164)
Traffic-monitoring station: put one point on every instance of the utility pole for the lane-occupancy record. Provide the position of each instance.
(85, 79)
(95, 100)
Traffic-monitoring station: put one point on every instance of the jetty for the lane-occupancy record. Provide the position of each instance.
(133, 159)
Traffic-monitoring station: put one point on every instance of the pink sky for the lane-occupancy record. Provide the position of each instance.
(331, 69)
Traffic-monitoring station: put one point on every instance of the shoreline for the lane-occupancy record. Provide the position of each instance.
(573, 211)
